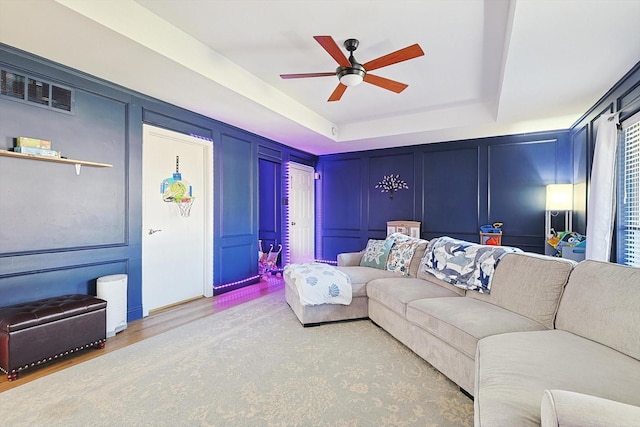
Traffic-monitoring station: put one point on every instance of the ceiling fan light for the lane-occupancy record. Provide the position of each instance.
(351, 76)
(351, 79)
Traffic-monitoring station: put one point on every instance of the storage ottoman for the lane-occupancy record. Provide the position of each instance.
(40, 331)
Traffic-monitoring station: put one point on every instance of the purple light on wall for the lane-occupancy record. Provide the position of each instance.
(317, 217)
(238, 296)
(319, 250)
(236, 283)
(326, 261)
(201, 137)
(287, 220)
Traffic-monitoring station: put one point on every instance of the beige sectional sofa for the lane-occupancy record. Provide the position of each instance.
(553, 339)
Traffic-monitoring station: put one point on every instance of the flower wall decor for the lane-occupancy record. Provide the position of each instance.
(390, 184)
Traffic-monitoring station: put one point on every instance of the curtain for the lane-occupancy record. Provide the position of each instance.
(602, 195)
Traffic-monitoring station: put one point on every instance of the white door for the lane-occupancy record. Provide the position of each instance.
(301, 213)
(177, 251)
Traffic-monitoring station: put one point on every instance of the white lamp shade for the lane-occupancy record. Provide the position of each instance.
(559, 197)
(351, 79)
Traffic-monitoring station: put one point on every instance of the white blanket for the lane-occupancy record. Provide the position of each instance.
(319, 283)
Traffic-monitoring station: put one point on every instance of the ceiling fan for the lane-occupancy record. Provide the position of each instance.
(352, 73)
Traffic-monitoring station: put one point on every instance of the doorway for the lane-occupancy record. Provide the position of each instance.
(177, 249)
(301, 213)
(270, 204)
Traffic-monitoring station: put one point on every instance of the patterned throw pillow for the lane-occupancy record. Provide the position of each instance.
(401, 254)
(376, 253)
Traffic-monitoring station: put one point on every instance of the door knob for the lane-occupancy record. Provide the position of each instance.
(152, 231)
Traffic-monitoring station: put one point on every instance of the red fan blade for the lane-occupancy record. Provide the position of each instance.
(305, 75)
(337, 94)
(333, 49)
(385, 83)
(405, 54)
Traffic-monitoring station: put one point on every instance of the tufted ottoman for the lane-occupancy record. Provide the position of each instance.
(37, 332)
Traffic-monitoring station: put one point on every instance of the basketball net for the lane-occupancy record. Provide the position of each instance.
(184, 206)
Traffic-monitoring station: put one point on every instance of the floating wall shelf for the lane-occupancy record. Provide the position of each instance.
(77, 163)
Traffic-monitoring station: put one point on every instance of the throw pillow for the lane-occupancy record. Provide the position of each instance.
(376, 253)
(401, 255)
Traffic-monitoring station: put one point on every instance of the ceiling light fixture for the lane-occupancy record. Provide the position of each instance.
(351, 76)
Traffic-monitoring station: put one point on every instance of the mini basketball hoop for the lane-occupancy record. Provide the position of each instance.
(184, 206)
(176, 190)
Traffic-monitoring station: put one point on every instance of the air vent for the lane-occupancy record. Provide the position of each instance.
(20, 87)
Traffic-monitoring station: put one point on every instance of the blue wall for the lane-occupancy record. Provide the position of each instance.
(457, 186)
(59, 232)
(454, 188)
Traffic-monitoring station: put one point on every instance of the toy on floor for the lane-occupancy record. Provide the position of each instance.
(267, 262)
(492, 241)
(495, 228)
(566, 238)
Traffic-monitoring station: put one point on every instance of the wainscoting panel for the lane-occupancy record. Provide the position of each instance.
(518, 176)
(34, 285)
(237, 262)
(454, 187)
(381, 207)
(333, 245)
(450, 185)
(53, 208)
(342, 194)
(238, 186)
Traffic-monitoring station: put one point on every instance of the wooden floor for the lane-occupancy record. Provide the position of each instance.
(156, 323)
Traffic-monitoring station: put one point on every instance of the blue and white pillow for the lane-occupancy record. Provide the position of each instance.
(376, 253)
(401, 252)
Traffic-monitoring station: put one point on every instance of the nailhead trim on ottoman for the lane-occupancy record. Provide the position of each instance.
(37, 332)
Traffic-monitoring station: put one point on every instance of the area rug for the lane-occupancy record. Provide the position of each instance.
(250, 365)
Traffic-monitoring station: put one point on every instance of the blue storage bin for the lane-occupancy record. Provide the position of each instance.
(574, 253)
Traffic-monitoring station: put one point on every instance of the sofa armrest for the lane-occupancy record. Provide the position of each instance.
(561, 408)
(349, 259)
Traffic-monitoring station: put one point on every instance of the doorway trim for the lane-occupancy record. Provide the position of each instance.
(208, 226)
(311, 171)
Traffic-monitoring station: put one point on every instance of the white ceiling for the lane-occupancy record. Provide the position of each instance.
(491, 67)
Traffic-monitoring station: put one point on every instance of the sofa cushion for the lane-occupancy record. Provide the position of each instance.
(566, 408)
(602, 303)
(528, 284)
(349, 259)
(364, 275)
(513, 370)
(416, 261)
(461, 322)
(395, 294)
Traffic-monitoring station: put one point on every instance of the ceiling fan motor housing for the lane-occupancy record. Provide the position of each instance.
(351, 44)
(353, 75)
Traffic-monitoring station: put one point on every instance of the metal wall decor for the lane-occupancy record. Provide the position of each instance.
(391, 183)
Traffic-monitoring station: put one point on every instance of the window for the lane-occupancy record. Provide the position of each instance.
(628, 218)
(35, 92)
(12, 84)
